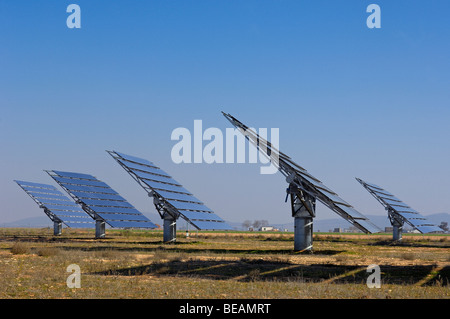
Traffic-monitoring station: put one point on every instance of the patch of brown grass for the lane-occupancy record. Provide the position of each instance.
(20, 248)
(47, 251)
(136, 265)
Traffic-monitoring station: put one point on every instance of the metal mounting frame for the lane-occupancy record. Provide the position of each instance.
(57, 222)
(307, 188)
(169, 216)
(166, 210)
(303, 207)
(396, 219)
(100, 223)
(397, 222)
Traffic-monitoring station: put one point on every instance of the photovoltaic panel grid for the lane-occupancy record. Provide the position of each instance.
(100, 201)
(172, 194)
(304, 180)
(57, 206)
(394, 205)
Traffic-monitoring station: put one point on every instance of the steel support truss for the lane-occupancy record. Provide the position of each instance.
(168, 214)
(397, 224)
(303, 208)
(169, 217)
(57, 223)
(303, 188)
(100, 224)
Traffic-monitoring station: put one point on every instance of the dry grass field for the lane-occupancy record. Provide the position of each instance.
(229, 265)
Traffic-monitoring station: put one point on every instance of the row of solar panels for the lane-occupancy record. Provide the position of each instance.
(93, 200)
(101, 202)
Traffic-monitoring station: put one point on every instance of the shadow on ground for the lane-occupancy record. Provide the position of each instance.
(182, 247)
(261, 270)
(436, 244)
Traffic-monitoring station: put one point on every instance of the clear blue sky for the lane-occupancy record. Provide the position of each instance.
(349, 101)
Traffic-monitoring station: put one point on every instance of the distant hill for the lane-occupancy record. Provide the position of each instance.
(323, 225)
(31, 222)
(43, 221)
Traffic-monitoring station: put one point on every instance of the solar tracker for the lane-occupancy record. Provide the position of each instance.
(399, 212)
(303, 189)
(58, 207)
(101, 202)
(170, 198)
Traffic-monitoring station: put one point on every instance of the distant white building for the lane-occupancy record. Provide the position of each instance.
(267, 228)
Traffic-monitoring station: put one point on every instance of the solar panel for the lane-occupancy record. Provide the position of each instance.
(125, 223)
(89, 189)
(152, 169)
(303, 187)
(62, 207)
(123, 217)
(108, 203)
(41, 190)
(399, 210)
(303, 179)
(79, 225)
(170, 197)
(188, 206)
(179, 196)
(53, 201)
(134, 159)
(425, 229)
(37, 186)
(97, 195)
(49, 196)
(83, 182)
(58, 207)
(202, 224)
(165, 187)
(75, 175)
(72, 213)
(100, 201)
(124, 210)
(202, 216)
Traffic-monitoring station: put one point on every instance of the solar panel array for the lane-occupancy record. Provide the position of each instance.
(395, 205)
(57, 206)
(304, 180)
(100, 200)
(175, 197)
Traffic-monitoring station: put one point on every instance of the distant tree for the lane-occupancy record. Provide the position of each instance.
(256, 224)
(264, 222)
(246, 224)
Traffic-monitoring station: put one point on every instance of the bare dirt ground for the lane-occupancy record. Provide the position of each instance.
(136, 264)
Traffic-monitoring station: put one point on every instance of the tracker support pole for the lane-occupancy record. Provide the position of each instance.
(303, 210)
(57, 228)
(100, 228)
(170, 229)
